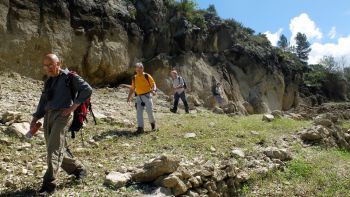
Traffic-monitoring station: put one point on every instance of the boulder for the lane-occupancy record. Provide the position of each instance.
(276, 153)
(248, 107)
(268, 117)
(117, 179)
(315, 133)
(156, 168)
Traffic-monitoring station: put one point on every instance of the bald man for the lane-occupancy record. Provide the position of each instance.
(56, 106)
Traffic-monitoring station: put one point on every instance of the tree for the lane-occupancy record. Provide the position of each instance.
(302, 47)
(212, 10)
(330, 63)
(283, 42)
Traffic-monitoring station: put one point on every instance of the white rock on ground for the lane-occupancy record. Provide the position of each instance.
(237, 153)
(117, 179)
(268, 117)
(190, 135)
(21, 129)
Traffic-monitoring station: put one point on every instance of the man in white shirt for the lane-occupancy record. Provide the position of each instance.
(179, 86)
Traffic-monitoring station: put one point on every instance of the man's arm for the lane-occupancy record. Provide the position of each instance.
(131, 92)
(40, 111)
(181, 84)
(84, 92)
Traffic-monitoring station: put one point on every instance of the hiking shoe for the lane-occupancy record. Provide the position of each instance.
(173, 110)
(80, 174)
(187, 111)
(154, 128)
(47, 189)
(139, 131)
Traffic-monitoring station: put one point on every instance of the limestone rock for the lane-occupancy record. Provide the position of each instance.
(276, 153)
(237, 153)
(20, 129)
(156, 168)
(117, 179)
(268, 117)
(314, 133)
(324, 122)
(11, 117)
(190, 135)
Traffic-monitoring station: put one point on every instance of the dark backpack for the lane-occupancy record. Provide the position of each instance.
(80, 114)
(185, 85)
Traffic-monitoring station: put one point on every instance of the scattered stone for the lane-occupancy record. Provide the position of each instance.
(254, 132)
(212, 149)
(190, 135)
(117, 179)
(268, 118)
(237, 153)
(276, 153)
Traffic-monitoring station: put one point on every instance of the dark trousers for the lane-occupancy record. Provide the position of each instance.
(181, 96)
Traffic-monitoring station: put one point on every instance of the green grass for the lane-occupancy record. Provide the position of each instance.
(312, 172)
(315, 172)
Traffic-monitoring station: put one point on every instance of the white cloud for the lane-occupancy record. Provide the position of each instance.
(304, 24)
(274, 37)
(339, 49)
(332, 33)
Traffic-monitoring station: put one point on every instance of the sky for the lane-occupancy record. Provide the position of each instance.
(326, 23)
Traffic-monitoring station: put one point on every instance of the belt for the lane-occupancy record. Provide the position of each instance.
(142, 94)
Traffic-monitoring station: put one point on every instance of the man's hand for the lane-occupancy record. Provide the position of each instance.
(68, 111)
(33, 122)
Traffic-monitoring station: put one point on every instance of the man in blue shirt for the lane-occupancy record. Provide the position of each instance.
(56, 106)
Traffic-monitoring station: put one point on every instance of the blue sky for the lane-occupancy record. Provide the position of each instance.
(325, 22)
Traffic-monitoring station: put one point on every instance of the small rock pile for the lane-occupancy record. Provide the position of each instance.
(199, 178)
(326, 131)
(280, 114)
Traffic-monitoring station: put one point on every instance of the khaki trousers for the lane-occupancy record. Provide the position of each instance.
(55, 128)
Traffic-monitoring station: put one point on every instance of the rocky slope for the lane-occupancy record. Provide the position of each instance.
(210, 155)
(103, 39)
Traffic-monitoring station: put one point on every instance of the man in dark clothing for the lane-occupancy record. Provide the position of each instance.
(179, 89)
(56, 106)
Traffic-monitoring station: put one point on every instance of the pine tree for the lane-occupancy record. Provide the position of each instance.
(302, 47)
(283, 42)
(212, 10)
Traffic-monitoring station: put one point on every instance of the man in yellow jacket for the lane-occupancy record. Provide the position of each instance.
(144, 88)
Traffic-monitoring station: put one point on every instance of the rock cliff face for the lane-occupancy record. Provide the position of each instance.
(102, 40)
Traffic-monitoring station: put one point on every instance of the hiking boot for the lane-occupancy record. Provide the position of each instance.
(47, 189)
(140, 130)
(154, 128)
(173, 110)
(187, 111)
(80, 174)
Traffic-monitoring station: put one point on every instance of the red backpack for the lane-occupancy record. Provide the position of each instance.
(80, 114)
